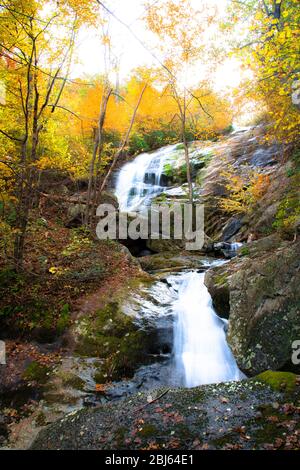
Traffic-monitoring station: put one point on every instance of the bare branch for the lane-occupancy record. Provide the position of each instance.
(202, 107)
(72, 41)
(68, 110)
(10, 136)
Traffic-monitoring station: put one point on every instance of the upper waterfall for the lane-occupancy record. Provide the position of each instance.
(141, 180)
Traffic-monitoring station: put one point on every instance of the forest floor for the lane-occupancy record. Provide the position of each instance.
(68, 272)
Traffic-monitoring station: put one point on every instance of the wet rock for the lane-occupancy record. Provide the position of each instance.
(216, 280)
(129, 331)
(260, 288)
(263, 157)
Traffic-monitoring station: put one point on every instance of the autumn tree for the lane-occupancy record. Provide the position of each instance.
(180, 29)
(268, 43)
(35, 61)
(107, 91)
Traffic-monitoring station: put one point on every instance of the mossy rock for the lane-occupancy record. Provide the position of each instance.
(36, 372)
(259, 294)
(162, 261)
(279, 381)
(73, 381)
(112, 336)
(216, 280)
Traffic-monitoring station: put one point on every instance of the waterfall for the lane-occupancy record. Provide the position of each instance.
(201, 352)
(141, 180)
(202, 355)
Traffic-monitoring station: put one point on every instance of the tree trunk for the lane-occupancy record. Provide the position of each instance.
(123, 145)
(186, 152)
(97, 151)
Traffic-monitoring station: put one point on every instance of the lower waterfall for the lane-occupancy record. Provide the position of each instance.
(201, 352)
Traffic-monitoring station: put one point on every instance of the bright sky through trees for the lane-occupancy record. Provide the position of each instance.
(132, 54)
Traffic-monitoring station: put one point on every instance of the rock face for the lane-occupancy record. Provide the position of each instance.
(231, 228)
(207, 417)
(259, 291)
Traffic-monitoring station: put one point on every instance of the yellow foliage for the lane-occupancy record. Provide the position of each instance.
(244, 193)
(273, 55)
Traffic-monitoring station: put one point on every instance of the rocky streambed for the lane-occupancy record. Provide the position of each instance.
(83, 408)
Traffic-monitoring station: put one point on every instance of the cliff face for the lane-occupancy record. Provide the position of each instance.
(243, 154)
(258, 291)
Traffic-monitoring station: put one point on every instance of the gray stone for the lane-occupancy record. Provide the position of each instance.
(260, 292)
(231, 228)
(263, 157)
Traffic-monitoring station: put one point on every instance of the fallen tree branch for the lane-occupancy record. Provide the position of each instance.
(154, 400)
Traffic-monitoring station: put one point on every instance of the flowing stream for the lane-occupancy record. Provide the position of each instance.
(200, 354)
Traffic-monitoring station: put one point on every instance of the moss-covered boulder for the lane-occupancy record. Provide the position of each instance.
(260, 292)
(239, 415)
(279, 381)
(216, 281)
(115, 339)
(127, 331)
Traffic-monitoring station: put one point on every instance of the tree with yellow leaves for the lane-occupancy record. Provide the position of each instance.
(34, 72)
(180, 29)
(271, 49)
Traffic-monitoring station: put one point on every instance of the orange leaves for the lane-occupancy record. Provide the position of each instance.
(260, 185)
(100, 388)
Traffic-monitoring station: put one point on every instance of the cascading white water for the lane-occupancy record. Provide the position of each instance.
(201, 352)
(202, 355)
(235, 246)
(140, 180)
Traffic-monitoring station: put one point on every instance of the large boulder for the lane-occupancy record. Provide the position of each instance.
(259, 291)
(252, 414)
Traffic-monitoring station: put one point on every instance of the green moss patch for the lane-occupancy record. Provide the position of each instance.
(36, 372)
(279, 381)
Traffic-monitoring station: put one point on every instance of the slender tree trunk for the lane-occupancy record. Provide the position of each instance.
(186, 151)
(123, 144)
(33, 124)
(97, 151)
